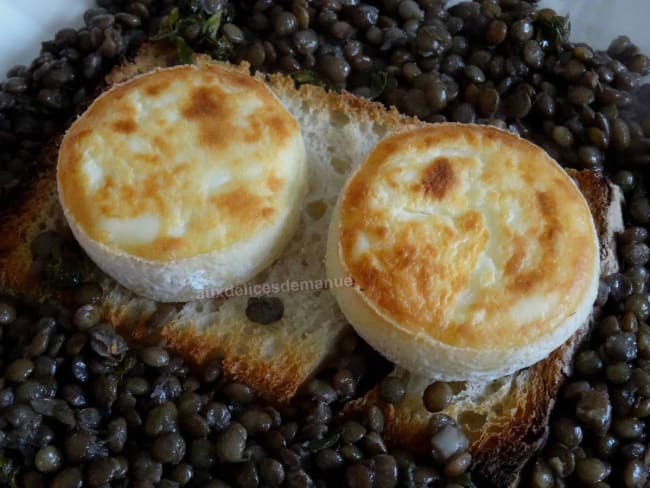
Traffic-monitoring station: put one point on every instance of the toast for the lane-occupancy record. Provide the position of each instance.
(277, 358)
(506, 419)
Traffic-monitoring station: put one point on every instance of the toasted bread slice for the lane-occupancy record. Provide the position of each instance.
(338, 130)
(506, 419)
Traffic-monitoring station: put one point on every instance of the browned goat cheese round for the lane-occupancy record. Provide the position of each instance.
(183, 179)
(473, 253)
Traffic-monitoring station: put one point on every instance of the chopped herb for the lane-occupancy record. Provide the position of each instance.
(465, 480)
(48, 46)
(123, 367)
(172, 28)
(307, 76)
(223, 49)
(211, 27)
(64, 270)
(183, 24)
(319, 444)
(183, 51)
(378, 83)
(8, 472)
(168, 26)
(553, 30)
(171, 19)
(409, 482)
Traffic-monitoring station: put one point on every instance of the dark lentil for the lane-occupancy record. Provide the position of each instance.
(392, 389)
(156, 357)
(591, 470)
(497, 32)
(374, 444)
(68, 478)
(518, 104)
(168, 448)
(359, 476)
(447, 442)
(264, 310)
(48, 459)
(328, 459)
(590, 157)
(437, 396)
(230, 443)
(375, 419)
(458, 464)
(594, 410)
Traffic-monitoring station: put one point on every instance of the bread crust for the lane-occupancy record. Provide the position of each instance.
(34, 209)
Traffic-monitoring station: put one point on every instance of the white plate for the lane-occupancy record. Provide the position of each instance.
(24, 24)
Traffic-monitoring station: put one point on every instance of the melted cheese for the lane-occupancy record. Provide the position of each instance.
(459, 239)
(181, 162)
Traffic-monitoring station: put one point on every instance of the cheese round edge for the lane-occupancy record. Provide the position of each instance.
(255, 233)
(490, 354)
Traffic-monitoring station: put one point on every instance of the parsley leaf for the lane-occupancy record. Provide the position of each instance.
(211, 27)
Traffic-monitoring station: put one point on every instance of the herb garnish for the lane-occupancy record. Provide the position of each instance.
(173, 27)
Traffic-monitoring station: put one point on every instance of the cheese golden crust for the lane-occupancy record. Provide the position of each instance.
(474, 254)
(181, 163)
